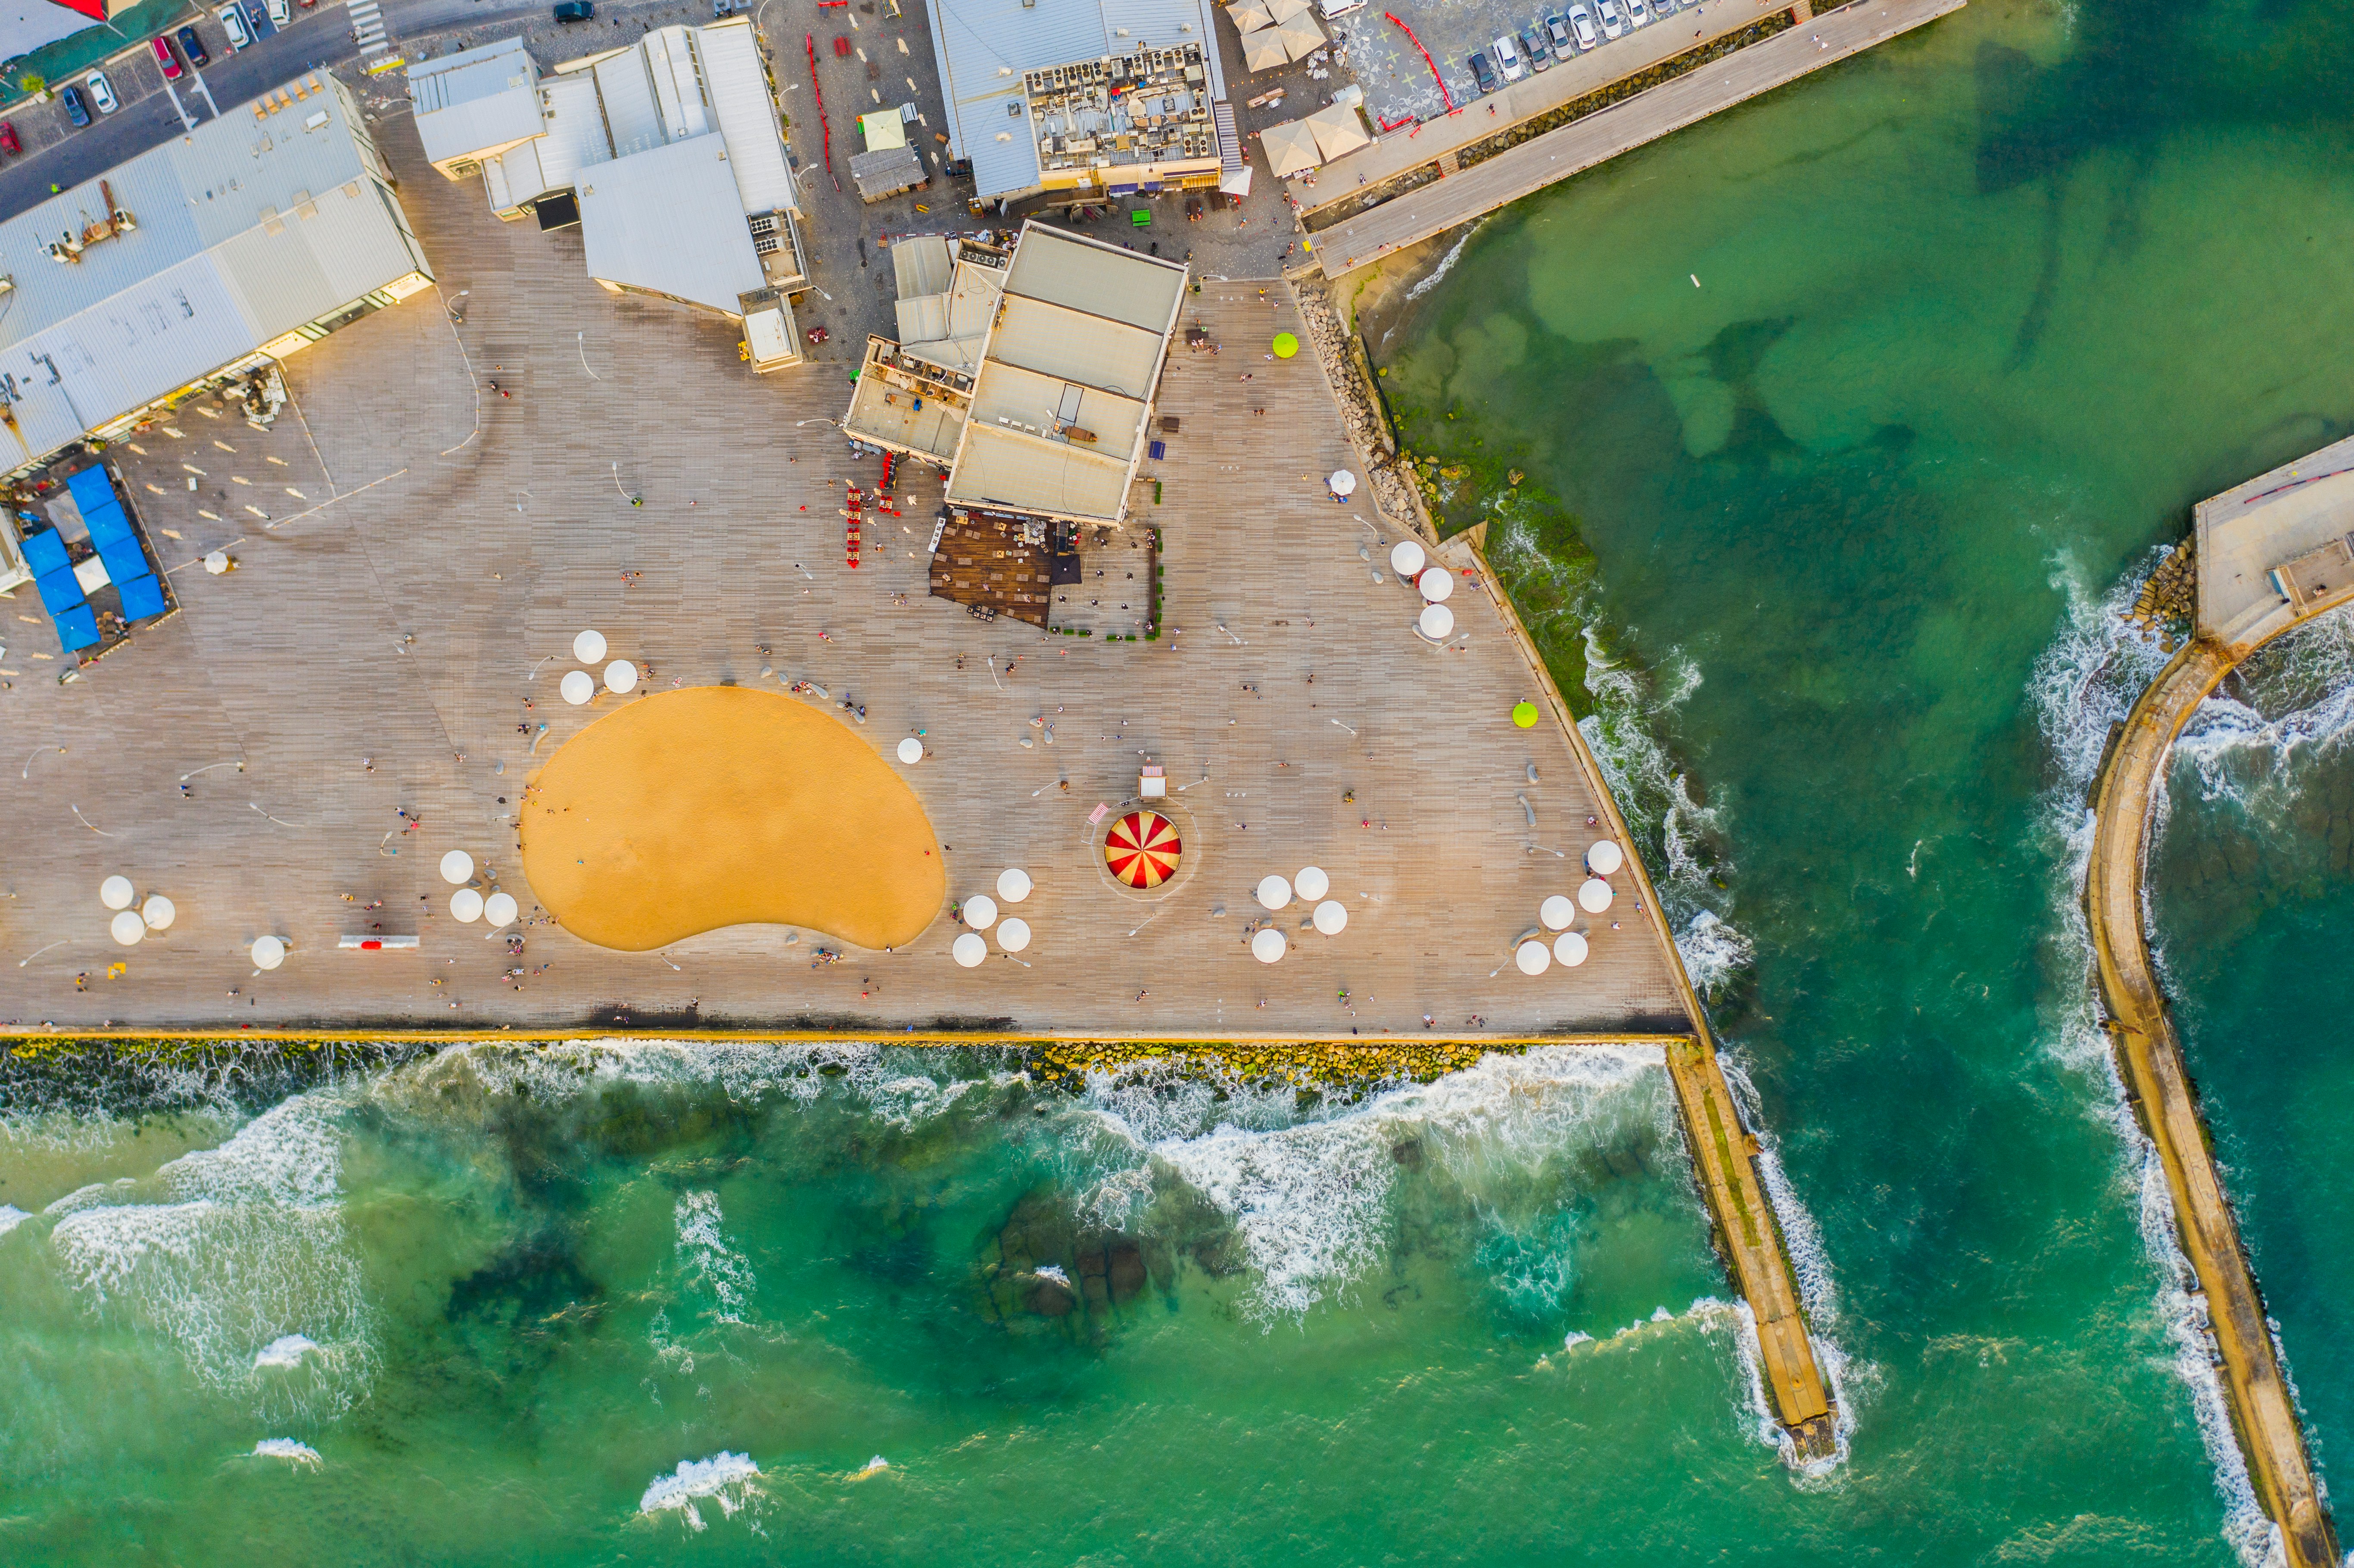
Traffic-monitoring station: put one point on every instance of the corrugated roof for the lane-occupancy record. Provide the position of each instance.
(879, 411)
(1101, 279)
(632, 118)
(667, 220)
(921, 264)
(1034, 400)
(886, 171)
(246, 229)
(985, 45)
(747, 116)
(475, 101)
(1089, 350)
(923, 318)
(575, 136)
(997, 467)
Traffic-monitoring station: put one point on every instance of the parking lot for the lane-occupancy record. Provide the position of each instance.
(1396, 79)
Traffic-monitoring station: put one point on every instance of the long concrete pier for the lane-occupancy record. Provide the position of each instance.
(2272, 553)
(1599, 137)
(1723, 1151)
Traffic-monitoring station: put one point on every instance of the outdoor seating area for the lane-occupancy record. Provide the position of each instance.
(116, 559)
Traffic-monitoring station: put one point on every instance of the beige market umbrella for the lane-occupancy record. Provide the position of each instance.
(578, 686)
(1556, 913)
(466, 906)
(1290, 148)
(970, 949)
(981, 911)
(1267, 945)
(1339, 130)
(457, 866)
(1330, 916)
(1533, 957)
(1300, 36)
(158, 911)
(1311, 884)
(116, 893)
(268, 952)
(1250, 16)
(1569, 948)
(1285, 10)
(1014, 933)
(1274, 892)
(588, 647)
(1263, 50)
(1594, 896)
(1604, 856)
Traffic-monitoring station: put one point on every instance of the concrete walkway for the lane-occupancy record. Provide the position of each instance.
(1604, 135)
(2149, 1056)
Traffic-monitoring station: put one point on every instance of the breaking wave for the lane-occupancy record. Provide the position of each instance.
(730, 1481)
(287, 1449)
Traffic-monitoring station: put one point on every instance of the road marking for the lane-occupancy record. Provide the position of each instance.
(187, 121)
(367, 26)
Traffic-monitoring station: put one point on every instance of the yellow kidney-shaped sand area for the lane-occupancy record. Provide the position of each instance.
(688, 810)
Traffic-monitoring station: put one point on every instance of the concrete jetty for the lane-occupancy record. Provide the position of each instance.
(1599, 137)
(1724, 1150)
(2272, 553)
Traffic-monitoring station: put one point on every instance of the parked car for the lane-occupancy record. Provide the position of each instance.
(1637, 14)
(281, 13)
(76, 111)
(1508, 58)
(165, 58)
(193, 47)
(1614, 22)
(101, 92)
(1484, 74)
(1581, 27)
(1557, 34)
(232, 21)
(8, 143)
(575, 11)
(1533, 50)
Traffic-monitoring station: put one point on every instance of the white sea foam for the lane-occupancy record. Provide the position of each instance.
(1309, 1199)
(1445, 264)
(286, 1351)
(287, 1449)
(729, 1480)
(226, 1248)
(11, 1216)
(708, 1263)
(2081, 686)
(1054, 1271)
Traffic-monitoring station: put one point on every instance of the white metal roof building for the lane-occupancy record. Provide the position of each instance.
(701, 226)
(986, 48)
(256, 232)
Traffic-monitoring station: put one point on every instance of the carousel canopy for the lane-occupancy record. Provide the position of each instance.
(1143, 849)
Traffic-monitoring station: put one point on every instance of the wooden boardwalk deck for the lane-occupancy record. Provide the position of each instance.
(1555, 155)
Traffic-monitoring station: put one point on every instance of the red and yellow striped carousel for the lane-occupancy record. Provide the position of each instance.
(1142, 850)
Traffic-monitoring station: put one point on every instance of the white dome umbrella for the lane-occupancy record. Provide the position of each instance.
(1330, 916)
(970, 949)
(1311, 882)
(128, 927)
(1267, 945)
(1014, 885)
(1594, 896)
(466, 905)
(1342, 481)
(1435, 622)
(911, 751)
(116, 893)
(159, 912)
(1436, 583)
(1533, 957)
(1604, 856)
(588, 647)
(1014, 933)
(1274, 892)
(268, 952)
(457, 866)
(621, 675)
(1556, 912)
(578, 686)
(1570, 948)
(1406, 558)
(215, 562)
(981, 911)
(501, 909)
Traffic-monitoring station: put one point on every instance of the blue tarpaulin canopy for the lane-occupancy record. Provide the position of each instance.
(141, 597)
(106, 522)
(124, 558)
(59, 591)
(91, 488)
(45, 553)
(78, 626)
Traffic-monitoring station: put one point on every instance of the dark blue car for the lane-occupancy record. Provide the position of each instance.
(193, 47)
(76, 111)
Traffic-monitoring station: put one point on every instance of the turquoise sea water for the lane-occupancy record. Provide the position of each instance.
(1977, 317)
